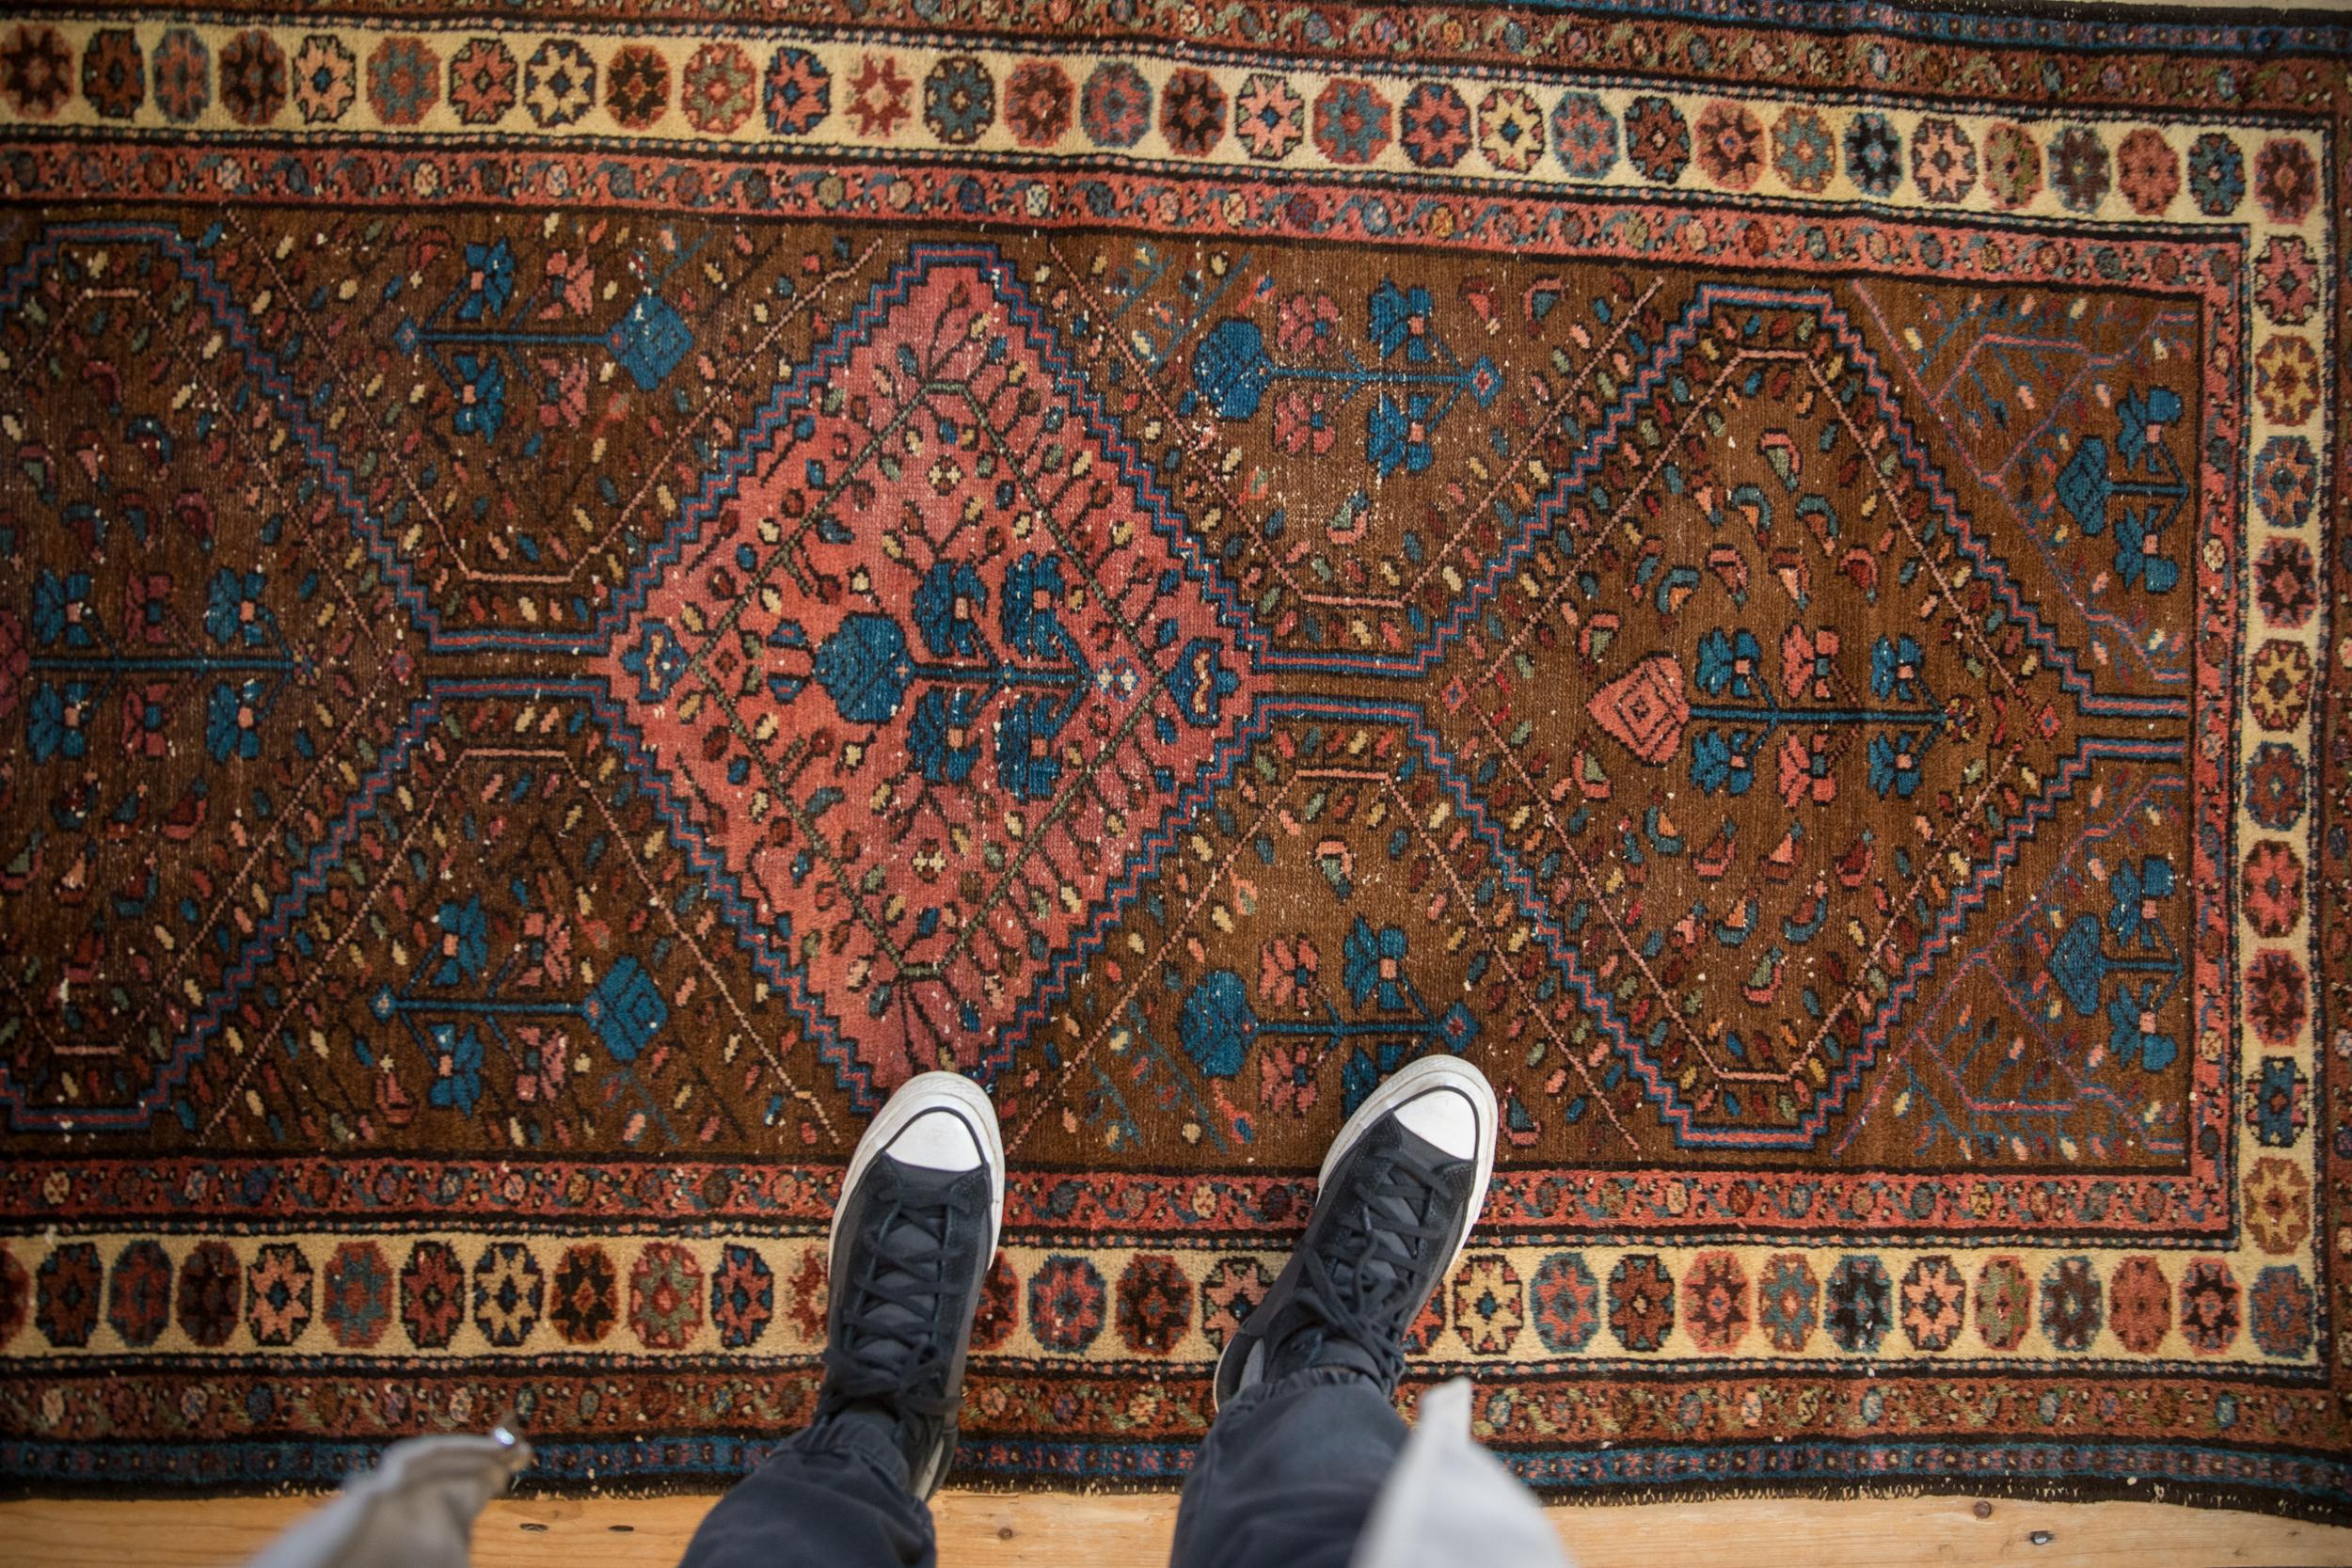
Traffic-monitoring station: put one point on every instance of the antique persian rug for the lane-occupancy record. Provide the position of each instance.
(586, 590)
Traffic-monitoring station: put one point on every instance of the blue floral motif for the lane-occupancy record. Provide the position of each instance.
(1216, 1025)
(657, 659)
(1375, 964)
(2130, 887)
(233, 608)
(2144, 416)
(1458, 1028)
(2133, 1040)
(1721, 764)
(1894, 764)
(948, 606)
(59, 607)
(456, 1068)
(940, 736)
(53, 722)
(863, 668)
(1729, 661)
(648, 342)
(1415, 377)
(2080, 965)
(2082, 486)
(625, 1009)
(1400, 319)
(2136, 558)
(481, 397)
(490, 269)
(465, 941)
(1895, 669)
(1365, 1071)
(1025, 763)
(232, 720)
(1399, 435)
(1033, 586)
(2150, 491)
(1231, 369)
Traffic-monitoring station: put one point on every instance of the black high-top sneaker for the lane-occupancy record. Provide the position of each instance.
(1399, 1189)
(912, 1241)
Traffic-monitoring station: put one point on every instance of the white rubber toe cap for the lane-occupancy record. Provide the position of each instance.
(1445, 1117)
(938, 1140)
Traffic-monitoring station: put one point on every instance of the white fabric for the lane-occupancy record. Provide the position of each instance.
(415, 1510)
(1449, 1500)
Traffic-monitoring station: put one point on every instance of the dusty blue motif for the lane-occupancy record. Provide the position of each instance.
(456, 1057)
(2145, 499)
(1893, 669)
(2133, 887)
(2132, 1044)
(948, 606)
(482, 397)
(1216, 1024)
(649, 342)
(1894, 764)
(233, 608)
(626, 1009)
(1400, 319)
(1722, 762)
(494, 265)
(864, 669)
(942, 738)
(1025, 763)
(1367, 952)
(1397, 435)
(465, 941)
(53, 722)
(1232, 371)
(233, 720)
(1728, 662)
(1033, 586)
(60, 609)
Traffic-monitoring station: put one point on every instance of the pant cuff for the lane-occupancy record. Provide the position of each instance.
(1297, 1382)
(861, 1440)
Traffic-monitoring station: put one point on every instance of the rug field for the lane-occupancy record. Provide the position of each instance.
(584, 591)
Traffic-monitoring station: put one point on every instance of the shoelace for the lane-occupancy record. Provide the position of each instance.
(1356, 1299)
(858, 1364)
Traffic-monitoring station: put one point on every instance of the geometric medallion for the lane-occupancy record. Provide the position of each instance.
(1818, 722)
(923, 668)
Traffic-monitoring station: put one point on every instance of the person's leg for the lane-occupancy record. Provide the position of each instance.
(1289, 1473)
(1307, 1429)
(912, 1240)
(835, 1494)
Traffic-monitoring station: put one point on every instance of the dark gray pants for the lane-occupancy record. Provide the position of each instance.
(1285, 1479)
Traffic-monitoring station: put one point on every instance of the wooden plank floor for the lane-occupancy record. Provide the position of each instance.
(991, 1531)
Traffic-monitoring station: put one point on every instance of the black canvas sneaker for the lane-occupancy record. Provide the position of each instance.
(1399, 1192)
(912, 1241)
